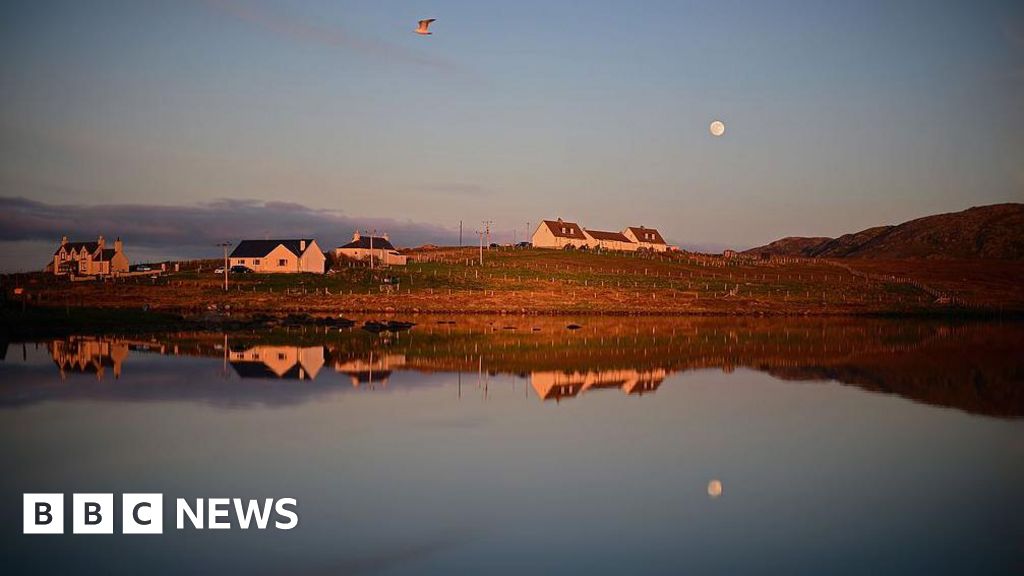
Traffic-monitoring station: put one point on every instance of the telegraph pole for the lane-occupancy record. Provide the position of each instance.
(225, 245)
(371, 247)
(487, 230)
(460, 233)
(481, 233)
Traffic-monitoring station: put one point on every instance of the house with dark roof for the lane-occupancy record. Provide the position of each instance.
(89, 258)
(559, 234)
(646, 238)
(598, 239)
(279, 256)
(379, 248)
(287, 362)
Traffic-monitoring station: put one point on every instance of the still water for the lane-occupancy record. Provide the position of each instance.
(510, 445)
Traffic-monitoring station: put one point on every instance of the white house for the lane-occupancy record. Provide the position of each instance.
(279, 256)
(559, 234)
(379, 247)
(598, 239)
(646, 238)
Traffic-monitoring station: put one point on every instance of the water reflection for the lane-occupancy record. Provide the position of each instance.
(712, 446)
(973, 367)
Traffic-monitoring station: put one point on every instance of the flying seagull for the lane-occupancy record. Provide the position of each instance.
(424, 25)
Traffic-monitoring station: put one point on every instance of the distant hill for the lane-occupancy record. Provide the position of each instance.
(991, 232)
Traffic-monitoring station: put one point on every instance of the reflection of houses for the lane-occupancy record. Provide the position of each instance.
(293, 362)
(89, 356)
(89, 258)
(558, 385)
(370, 371)
(379, 247)
(279, 256)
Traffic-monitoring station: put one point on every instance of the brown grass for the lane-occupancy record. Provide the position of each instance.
(451, 280)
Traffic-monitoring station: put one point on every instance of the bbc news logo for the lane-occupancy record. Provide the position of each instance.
(144, 513)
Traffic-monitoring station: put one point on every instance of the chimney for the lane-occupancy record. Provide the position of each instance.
(302, 245)
(100, 242)
(64, 241)
(118, 246)
(386, 236)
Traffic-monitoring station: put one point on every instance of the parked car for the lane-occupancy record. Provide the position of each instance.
(524, 245)
(493, 245)
(143, 268)
(240, 269)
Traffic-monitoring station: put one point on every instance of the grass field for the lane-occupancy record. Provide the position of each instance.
(452, 280)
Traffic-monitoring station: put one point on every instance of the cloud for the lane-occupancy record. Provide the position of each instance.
(193, 229)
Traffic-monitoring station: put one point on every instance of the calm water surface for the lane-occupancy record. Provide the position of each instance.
(511, 445)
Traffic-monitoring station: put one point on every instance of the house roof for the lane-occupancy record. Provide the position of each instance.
(260, 248)
(256, 369)
(573, 229)
(108, 254)
(609, 236)
(89, 247)
(379, 243)
(639, 232)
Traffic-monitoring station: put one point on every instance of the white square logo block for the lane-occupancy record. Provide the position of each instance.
(142, 514)
(92, 514)
(42, 514)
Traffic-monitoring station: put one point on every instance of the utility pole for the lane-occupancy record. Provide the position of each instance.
(481, 233)
(527, 237)
(225, 245)
(487, 230)
(371, 247)
(460, 233)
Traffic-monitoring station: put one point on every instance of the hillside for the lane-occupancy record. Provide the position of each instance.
(537, 281)
(984, 232)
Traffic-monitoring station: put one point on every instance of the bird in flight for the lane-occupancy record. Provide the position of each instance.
(424, 25)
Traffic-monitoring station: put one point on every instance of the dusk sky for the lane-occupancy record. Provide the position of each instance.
(173, 123)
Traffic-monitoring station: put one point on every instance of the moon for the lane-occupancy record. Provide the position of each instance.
(715, 488)
(717, 128)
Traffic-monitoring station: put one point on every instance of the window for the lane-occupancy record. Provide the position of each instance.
(256, 262)
(241, 261)
(282, 262)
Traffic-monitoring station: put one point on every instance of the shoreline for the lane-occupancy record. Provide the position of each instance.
(41, 321)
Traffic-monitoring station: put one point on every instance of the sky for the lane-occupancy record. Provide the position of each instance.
(179, 124)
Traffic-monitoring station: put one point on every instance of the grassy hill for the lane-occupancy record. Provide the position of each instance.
(534, 281)
(986, 232)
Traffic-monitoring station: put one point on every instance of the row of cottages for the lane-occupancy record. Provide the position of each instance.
(279, 256)
(379, 248)
(561, 234)
(89, 258)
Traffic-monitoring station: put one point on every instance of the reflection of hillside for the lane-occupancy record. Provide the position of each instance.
(974, 367)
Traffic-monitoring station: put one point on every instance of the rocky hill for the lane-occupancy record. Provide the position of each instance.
(986, 232)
